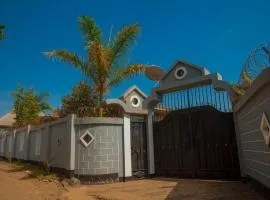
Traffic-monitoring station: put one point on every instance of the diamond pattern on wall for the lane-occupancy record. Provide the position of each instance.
(87, 138)
(265, 129)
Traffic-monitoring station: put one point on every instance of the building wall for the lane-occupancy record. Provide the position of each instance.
(104, 155)
(254, 154)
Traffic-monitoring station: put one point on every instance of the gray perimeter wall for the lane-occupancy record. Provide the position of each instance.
(254, 155)
(49, 142)
(21, 143)
(104, 154)
(58, 144)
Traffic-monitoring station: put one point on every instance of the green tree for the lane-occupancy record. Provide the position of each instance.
(82, 101)
(105, 63)
(28, 106)
(2, 28)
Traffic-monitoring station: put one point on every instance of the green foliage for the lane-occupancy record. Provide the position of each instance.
(81, 102)
(27, 106)
(106, 63)
(2, 28)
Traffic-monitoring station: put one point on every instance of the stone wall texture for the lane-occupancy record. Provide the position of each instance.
(103, 155)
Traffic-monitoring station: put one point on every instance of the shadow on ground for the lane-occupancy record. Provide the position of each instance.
(211, 190)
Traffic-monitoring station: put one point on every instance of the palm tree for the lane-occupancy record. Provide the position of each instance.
(2, 28)
(105, 62)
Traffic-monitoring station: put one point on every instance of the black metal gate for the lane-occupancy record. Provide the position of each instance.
(138, 146)
(194, 135)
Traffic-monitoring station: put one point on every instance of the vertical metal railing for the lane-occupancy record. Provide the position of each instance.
(194, 97)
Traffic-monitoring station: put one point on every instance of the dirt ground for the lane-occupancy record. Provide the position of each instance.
(17, 185)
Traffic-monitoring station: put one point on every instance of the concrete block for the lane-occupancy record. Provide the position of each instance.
(80, 171)
(113, 157)
(101, 171)
(116, 164)
(112, 170)
(90, 171)
(83, 165)
(116, 150)
(96, 152)
(102, 133)
(106, 151)
(89, 158)
(107, 164)
(107, 139)
(102, 158)
(94, 165)
(110, 145)
(97, 138)
(100, 145)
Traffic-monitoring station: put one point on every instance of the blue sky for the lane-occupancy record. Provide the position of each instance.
(215, 34)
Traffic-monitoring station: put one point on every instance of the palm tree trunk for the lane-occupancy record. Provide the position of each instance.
(100, 106)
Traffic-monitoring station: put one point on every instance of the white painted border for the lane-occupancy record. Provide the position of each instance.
(150, 143)
(127, 146)
(83, 141)
(138, 99)
(72, 143)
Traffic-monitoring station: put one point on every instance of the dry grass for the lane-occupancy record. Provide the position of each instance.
(34, 171)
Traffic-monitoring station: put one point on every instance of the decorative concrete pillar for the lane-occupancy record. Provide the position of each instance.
(150, 143)
(72, 142)
(127, 146)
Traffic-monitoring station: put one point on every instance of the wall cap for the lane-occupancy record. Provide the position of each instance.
(99, 120)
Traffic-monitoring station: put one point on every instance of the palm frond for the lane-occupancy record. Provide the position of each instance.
(247, 78)
(121, 74)
(238, 89)
(67, 57)
(124, 39)
(99, 56)
(90, 30)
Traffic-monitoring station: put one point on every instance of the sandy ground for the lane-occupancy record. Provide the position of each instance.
(166, 189)
(17, 185)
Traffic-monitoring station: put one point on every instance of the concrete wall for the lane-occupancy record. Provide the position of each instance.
(49, 142)
(2, 144)
(254, 154)
(104, 154)
(21, 143)
(9, 146)
(37, 145)
(59, 144)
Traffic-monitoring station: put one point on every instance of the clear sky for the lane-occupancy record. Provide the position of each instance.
(215, 34)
